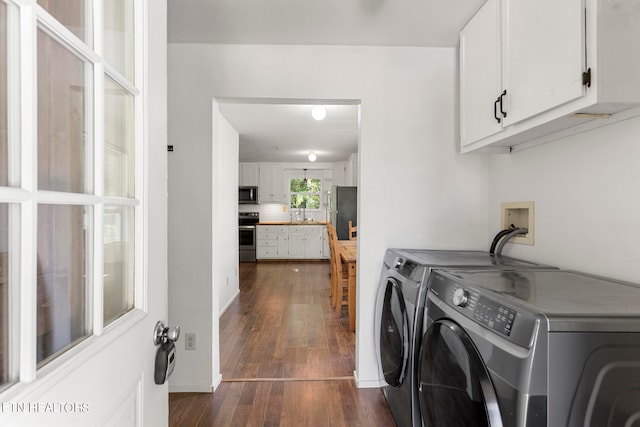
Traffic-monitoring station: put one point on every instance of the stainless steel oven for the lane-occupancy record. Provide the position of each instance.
(247, 232)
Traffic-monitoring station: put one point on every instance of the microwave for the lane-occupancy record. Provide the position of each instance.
(248, 194)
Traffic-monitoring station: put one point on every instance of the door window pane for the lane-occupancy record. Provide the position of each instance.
(119, 261)
(5, 374)
(119, 36)
(63, 292)
(63, 112)
(119, 141)
(70, 13)
(4, 161)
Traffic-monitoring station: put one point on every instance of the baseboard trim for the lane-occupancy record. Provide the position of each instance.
(228, 304)
(181, 388)
(258, 380)
(367, 383)
(217, 382)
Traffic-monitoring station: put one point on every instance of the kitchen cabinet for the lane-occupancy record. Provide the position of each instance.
(522, 83)
(305, 241)
(351, 170)
(272, 186)
(272, 242)
(480, 74)
(326, 250)
(248, 174)
(291, 242)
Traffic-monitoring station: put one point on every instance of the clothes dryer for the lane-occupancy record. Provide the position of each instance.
(400, 311)
(529, 348)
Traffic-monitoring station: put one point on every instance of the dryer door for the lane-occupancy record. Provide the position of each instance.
(454, 385)
(394, 334)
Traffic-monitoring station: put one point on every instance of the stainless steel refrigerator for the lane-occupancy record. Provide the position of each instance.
(344, 208)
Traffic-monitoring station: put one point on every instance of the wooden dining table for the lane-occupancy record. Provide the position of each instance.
(348, 254)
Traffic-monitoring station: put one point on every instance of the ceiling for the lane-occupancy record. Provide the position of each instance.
(433, 23)
(286, 132)
(281, 131)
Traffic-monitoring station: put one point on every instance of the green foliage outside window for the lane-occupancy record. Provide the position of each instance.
(305, 193)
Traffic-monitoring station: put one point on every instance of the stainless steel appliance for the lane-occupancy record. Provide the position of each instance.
(400, 312)
(248, 195)
(529, 348)
(343, 205)
(247, 232)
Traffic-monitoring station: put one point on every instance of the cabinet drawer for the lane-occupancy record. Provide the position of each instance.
(271, 243)
(270, 231)
(266, 252)
(297, 229)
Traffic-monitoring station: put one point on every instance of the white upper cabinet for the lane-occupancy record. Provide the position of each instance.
(480, 75)
(543, 56)
(248, 174)
(535, 71)
(272, 188)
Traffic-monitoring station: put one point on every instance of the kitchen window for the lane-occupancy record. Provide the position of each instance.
(305, 191)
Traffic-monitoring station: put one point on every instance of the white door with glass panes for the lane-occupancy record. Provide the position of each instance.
(83, 175)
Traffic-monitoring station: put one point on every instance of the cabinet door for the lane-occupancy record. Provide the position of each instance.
(272, 189)
(283, 244)
(248, 173)
(326, 250)
(313, 242)
(543, 55)
(296, 243)
(480, 74)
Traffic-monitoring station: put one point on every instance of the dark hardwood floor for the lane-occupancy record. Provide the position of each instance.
(287, 358)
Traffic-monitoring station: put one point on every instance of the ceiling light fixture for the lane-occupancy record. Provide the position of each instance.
(312, 156)
(319, 112)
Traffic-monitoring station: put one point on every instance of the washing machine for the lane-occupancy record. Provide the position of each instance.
(529, 348)
(400, 311)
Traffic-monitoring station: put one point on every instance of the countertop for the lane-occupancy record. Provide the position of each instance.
(292, 223)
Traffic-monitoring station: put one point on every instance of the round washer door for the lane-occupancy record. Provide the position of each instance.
(454, 385)
(394, 335)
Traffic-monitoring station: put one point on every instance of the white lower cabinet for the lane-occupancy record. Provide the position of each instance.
(326, 251)
(291, 242)
(305, 241)
(272, 242)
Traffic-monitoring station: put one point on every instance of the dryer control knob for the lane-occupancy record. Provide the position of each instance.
(460, 297)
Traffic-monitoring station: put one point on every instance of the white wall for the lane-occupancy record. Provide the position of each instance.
(190, 222)
(585, 190)
(415, 190)
(225, 211)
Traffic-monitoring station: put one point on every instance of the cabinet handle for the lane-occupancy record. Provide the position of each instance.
(495, 110)
(502, 95)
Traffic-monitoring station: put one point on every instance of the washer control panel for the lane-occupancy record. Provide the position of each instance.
(452, 295)
(495, 316)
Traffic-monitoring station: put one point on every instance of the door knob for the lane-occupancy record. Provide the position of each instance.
(162, 334)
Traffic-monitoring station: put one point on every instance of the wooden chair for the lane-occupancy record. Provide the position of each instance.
(339, 282)
(353, 231)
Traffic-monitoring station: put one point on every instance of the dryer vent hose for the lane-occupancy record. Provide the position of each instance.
(506, 238)
(499, 236)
